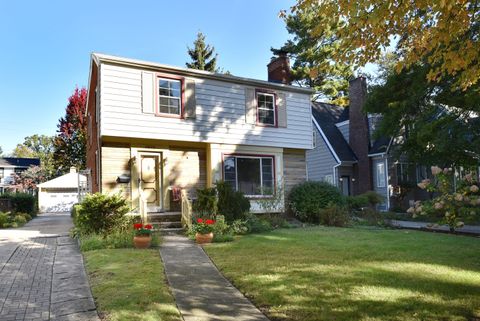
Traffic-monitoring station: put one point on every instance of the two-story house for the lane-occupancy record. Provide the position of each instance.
(13, 165)
(157, 133)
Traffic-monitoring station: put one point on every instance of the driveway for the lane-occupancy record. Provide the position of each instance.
(41, 273)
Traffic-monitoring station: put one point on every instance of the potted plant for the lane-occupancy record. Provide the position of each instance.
(143, 236)
(204, 230)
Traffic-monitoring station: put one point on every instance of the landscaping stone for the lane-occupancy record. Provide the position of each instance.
(200, 290)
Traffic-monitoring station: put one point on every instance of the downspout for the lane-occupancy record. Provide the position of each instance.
(388, 182)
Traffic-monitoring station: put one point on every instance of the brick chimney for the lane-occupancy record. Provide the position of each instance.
(279, 69)
(359, 137)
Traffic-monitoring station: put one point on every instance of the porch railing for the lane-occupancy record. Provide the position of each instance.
(186, 209)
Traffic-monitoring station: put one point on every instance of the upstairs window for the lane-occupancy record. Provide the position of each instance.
(381, 181)
(254, 176)
(266, 113)
(169, 96)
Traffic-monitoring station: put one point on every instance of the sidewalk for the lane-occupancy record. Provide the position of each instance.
(200, 290)
(42, 275)
(467, 229)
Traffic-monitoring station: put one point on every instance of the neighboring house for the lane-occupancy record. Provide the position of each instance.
(61, 193)
(13, 165)
(347, 155)
(158, 133)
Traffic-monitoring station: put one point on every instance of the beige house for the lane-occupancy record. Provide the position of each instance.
(158, 133)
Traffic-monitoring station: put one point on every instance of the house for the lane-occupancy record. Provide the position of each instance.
(157, 133)
(13, 165)
(61, 193)
(348, 155)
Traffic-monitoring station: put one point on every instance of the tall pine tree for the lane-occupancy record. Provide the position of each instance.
(313, 65)
(70, 142)
(203, 56)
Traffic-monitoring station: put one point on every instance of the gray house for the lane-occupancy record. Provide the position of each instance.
(347, 155)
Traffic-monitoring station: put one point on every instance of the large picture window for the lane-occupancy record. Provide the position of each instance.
(169, 96)
(252, 175)
(266, 109)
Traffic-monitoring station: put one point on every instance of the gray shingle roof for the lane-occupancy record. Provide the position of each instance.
(327, 115)
(19, 162)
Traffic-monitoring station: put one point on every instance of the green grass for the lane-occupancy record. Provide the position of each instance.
(355, 274)
(129, 285)
(115, 240)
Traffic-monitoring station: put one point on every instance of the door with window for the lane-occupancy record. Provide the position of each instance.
(150, 180)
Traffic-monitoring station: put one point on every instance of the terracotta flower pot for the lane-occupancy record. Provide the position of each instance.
(142, 241)
(204, 238)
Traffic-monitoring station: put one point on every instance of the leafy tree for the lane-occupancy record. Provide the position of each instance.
(203, 56)
(313, 65)
(30, 178)
(38, 146)
(434, 122)
(445, 34)
(70, 142)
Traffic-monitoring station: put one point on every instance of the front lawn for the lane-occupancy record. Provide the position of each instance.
(130, 285)
(355, 274)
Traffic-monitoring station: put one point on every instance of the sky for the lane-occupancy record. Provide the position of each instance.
(45, 47)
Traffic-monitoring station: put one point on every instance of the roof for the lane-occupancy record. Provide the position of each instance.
(327, 115)
(98, 57)
(380, 145)
(69, 180)
(19, 162)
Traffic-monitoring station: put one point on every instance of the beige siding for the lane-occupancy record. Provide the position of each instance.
(220, 114)
(294, 168)
(115, 162)
(187, 168)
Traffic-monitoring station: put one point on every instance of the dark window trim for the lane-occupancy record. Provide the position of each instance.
(254, 156)
(182, 95)
(275, 107)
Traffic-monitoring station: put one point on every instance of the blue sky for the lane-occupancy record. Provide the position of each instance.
(45, 47)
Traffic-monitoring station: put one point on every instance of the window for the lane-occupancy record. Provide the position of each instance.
(423, 172)
(2, 172)
(405, 173)
(380, 175)
(169, 96)
(254, 176)
(314, 138)
(266, 109)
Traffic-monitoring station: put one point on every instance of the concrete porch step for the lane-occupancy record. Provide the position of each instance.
(164, 217)
(163, 225)
(170, 231)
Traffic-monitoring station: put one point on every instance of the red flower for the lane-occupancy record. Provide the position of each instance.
(137, 226)
(199, 220)
(210, 222)
(148, 227)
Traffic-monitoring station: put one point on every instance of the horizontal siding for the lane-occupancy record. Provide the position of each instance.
(115, 162)
(220, 114)
(320, 160)
(294, 168)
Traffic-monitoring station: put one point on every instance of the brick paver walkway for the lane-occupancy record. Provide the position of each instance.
(43, 279)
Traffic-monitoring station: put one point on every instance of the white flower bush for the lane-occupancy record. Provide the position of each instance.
(453, 205)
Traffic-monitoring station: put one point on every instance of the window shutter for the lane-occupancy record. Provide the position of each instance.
(250, 106)
(190, 101)
(282, 110)
(148, 92)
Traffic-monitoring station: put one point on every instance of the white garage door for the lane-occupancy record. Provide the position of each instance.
(57, 200)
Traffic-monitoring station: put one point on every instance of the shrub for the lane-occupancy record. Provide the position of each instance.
(334, 215)
(22, 202)
(231, 204)
(255, 224)
(206, 203)
(373, 198)
(357, 202)
(20, 220)
(101, 214)
(221, 226)
(4, 219)
(222, 238)
(27, 216)
(307, 199)
(114, 240)
(239, 227)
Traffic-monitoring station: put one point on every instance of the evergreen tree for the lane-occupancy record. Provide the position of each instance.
(203, 56)
(71, 140)
(313, 65)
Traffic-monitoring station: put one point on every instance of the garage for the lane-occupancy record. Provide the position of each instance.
(60, 194)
